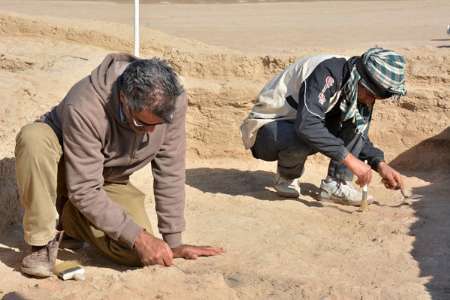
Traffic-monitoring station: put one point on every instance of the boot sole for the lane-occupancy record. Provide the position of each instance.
(41, 272)
(71, 244)
(288, 195)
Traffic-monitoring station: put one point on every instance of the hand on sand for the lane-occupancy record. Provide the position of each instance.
(153, 251)
(390, 177)
(193, 252)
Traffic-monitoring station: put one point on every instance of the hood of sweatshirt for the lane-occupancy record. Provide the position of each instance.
(104, 80)
(104, 77)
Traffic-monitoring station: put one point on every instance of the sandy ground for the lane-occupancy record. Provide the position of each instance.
(276, 248)
(282, 28)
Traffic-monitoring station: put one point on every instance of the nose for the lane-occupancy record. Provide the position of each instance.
(150, 129)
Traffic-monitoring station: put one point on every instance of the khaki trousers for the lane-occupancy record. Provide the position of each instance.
(41, 183)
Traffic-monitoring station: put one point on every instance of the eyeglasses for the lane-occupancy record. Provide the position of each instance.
(140, 124)
(380, 94)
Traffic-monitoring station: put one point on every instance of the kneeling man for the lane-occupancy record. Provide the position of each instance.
(74, 166)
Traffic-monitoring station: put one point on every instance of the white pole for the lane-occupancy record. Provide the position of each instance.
(136, 28)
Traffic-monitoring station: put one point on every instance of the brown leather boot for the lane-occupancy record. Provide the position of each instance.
(40, 262)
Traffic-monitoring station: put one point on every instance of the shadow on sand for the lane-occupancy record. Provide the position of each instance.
(257, 184)
(236, 182)
(430, 161)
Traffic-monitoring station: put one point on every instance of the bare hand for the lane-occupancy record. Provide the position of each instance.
(390, 177)
(361, 170)
(153, 251)
(192, 252)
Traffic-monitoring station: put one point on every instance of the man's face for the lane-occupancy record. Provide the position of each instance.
(142, 121)
(365, 96)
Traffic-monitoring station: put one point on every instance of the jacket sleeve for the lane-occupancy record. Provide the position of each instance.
(315, 99)
(84, 167)
(169, 173)
(372, 154)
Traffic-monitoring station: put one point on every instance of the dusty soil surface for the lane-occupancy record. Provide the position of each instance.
(275, 248)
(282, 28)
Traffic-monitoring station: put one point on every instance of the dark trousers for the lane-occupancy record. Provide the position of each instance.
(278, 141)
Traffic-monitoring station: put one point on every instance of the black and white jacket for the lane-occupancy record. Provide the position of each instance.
(308, 92)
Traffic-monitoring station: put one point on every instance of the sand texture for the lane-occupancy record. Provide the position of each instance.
(275, 248)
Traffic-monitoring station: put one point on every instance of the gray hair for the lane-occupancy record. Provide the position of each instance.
(151, 84)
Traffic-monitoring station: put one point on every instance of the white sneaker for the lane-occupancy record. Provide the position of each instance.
(287, 187)
(341, 191)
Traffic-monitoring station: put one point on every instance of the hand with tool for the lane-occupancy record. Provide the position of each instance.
(154, 251)
(360, 169)
(390, 177)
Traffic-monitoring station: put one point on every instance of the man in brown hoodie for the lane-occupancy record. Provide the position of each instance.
(73, 167)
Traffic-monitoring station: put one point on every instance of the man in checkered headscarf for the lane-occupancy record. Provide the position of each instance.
(324, 104)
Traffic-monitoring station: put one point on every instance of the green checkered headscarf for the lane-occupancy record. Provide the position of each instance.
(385, 72)
(382, 72)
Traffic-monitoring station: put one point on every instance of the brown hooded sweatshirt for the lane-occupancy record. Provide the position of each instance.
(100, 147)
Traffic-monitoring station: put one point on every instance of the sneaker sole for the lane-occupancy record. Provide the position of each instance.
(327, 197)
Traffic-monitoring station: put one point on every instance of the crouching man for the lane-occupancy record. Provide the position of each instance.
(74, 166)
(324, 104)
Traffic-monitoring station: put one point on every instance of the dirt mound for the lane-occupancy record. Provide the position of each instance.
(191, 58)
(430, 155)
(14, 65)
